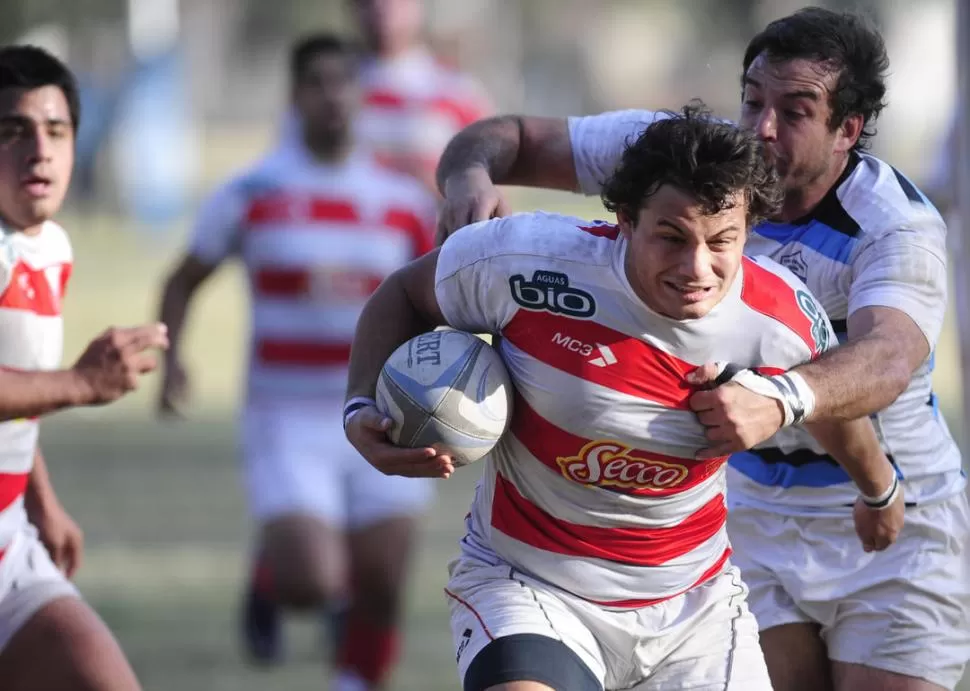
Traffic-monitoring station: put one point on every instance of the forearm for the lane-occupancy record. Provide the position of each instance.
(389, 319)
(31, 394)
(856, 448)
(857, 379)
(491, 144)
(173, 312)
(40, 492)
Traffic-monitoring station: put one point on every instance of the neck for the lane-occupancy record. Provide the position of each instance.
(335, 151)
(393, 50)
(801, 201)
(29, 230)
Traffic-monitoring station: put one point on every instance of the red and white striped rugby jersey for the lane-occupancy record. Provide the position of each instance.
(412, 107)
(34, 270)
(595, 489)
(316, 241)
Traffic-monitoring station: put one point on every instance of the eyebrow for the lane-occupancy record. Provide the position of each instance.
(16, 117)
(804, 93)
(672, 226)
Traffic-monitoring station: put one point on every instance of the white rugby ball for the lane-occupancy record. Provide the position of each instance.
(448, 390)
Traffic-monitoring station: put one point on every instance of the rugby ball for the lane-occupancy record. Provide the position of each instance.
(448, 390)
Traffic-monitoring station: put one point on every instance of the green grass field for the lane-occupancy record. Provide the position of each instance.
(161, 503)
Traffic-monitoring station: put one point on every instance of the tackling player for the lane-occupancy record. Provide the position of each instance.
(318, 225)
(596, 555)
(872, 249)
(49, 637)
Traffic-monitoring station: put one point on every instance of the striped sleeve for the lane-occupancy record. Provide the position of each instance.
(470, 284)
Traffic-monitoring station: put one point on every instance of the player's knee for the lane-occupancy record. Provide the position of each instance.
(309, 588)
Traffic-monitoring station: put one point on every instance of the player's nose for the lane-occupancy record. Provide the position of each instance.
(695, 263)
(766, 126)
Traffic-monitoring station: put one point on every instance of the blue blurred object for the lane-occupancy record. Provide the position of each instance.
(155, 155)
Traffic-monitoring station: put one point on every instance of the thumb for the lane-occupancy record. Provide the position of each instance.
(372, 418)
(705, 375)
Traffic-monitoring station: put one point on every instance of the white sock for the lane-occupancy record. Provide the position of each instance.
(348, 681)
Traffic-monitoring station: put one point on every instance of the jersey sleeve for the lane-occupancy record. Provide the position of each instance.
(598, 142)
(472, 279)
(904, 269)
(801, 330)
(216, 232)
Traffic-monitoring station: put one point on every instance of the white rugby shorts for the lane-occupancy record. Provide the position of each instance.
(704, 640)
(29, 580)
(298, 461)
(905, 610)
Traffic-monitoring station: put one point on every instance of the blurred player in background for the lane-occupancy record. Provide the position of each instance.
(412, 104)
(872, 248)
(318, 224)
(49, 638)
(595, 554)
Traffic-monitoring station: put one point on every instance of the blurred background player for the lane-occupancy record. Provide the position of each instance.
(412, 103)
(49, 637)
(318, 224)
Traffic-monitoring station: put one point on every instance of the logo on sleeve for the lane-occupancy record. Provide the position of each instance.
(794, 262)
(820, 327)
(549, 291)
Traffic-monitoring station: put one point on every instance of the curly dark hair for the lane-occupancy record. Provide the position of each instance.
(708, 159)
(30, 67)
(840, 41)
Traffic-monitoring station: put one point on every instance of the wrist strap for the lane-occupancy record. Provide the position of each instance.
(355, 404)
(789, 388)
(884, 500)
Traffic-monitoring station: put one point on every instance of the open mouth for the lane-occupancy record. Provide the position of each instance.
(37, 185)
(692, 293)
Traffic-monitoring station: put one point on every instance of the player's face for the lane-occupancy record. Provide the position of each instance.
(325, 99)
(681, 262)
(36, 154)
(787, 105)
(389, 24)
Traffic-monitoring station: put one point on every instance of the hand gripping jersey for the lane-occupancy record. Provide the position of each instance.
(595, 489)
(874, 240)
(316, 241)
(34, 270)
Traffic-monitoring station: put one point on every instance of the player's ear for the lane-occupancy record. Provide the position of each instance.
(849, 131)
(626, 222)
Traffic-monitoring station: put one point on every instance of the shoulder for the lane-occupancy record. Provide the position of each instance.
(237, 196)
(880, 200)
(57, 243)
(550, 238)
(773, 291)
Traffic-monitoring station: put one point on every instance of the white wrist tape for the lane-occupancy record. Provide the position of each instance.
(354, 406)
(789, 388)
(884, 500)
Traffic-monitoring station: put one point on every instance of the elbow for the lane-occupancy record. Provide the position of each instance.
(895, 379)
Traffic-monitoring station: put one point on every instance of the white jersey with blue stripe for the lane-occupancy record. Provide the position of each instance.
(874, 240)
